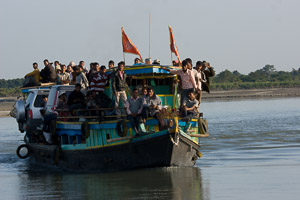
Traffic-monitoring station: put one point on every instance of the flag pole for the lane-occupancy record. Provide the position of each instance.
(124, 56)
(149, 33)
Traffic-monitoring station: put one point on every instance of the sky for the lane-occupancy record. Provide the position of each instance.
(242, 35)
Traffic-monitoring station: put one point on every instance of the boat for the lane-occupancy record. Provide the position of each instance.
(91, 143)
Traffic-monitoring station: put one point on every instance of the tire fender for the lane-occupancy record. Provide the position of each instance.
(121, 128)
(202, 126)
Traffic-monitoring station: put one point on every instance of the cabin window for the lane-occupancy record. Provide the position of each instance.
(160, 85)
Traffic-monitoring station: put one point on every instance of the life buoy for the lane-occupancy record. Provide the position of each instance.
(85, 131)
(121, 128)
(202, 126)
(19, 154)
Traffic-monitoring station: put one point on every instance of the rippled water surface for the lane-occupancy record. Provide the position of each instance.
(253, 152)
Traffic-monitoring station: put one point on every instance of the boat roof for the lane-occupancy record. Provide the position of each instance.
(148, 70)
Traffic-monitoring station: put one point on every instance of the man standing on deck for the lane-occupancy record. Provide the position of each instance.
(187, 78)
(119, 85)
(98, 84)
(208, 71)
(111, 64)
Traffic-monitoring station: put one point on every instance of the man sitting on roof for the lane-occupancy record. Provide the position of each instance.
(48, 74)
(137, 61)
(32, 78)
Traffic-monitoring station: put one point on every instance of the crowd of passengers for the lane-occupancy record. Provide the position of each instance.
(89, 99)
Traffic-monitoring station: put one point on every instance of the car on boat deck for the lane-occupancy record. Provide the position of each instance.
(28, 113)
(54, 93)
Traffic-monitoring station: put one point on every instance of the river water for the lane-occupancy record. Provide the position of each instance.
(253, 152)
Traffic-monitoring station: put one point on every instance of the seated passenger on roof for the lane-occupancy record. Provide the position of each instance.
(48, 74)
(32, 78)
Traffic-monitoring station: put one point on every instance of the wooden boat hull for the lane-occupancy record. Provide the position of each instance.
(159, 151)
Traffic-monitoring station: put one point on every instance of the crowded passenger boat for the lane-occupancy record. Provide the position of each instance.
(142, 115)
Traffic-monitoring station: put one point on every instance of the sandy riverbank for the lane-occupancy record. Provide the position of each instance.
(6, 103)
(253, 93)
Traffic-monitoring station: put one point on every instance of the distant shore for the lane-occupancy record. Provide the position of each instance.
(252, 93)
(7, 103)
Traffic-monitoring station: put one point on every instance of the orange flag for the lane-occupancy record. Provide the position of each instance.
(173, 45)
(128, 47)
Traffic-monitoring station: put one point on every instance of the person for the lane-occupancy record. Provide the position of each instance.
(111, 64)
(63, 76)
(84, 69)
(175, 63)
(98, 84)
(137, 61)
(134, 106)
(62, 107)
(48, 73)
(81, 79)
(76, 99)
(94, 71)
(190, 63)
(100, 80)
(151, 105)
(58, 71)
(156, 62)
(148, 61)
(141, 86)
(208, 71)
(70, 71)
(189, 107)
(32, 78)
(145, 92)
(56, 65)
(44, 102)
(119, 85)
(199, 77)
(188, 82)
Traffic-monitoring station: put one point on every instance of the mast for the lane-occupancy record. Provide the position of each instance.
(149, 33)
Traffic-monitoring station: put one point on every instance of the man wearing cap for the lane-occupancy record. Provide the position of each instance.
(63, 77)
(48, 73)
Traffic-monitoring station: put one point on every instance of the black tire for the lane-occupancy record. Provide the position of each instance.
(19, 149)
(121, 128)
(202, 127)
(85, 132)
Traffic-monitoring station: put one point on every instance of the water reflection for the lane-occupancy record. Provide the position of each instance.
(159, 183)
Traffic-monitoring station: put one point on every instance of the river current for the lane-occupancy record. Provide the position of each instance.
(253, 152)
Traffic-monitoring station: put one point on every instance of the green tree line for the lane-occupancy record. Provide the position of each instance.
(10, 87)
(267, 77)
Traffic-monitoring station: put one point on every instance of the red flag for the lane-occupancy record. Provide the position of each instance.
(173, 45)
(128, 47)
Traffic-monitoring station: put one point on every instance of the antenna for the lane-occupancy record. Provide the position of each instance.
(149, 33)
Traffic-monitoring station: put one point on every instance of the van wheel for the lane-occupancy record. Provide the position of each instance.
(23, 151)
